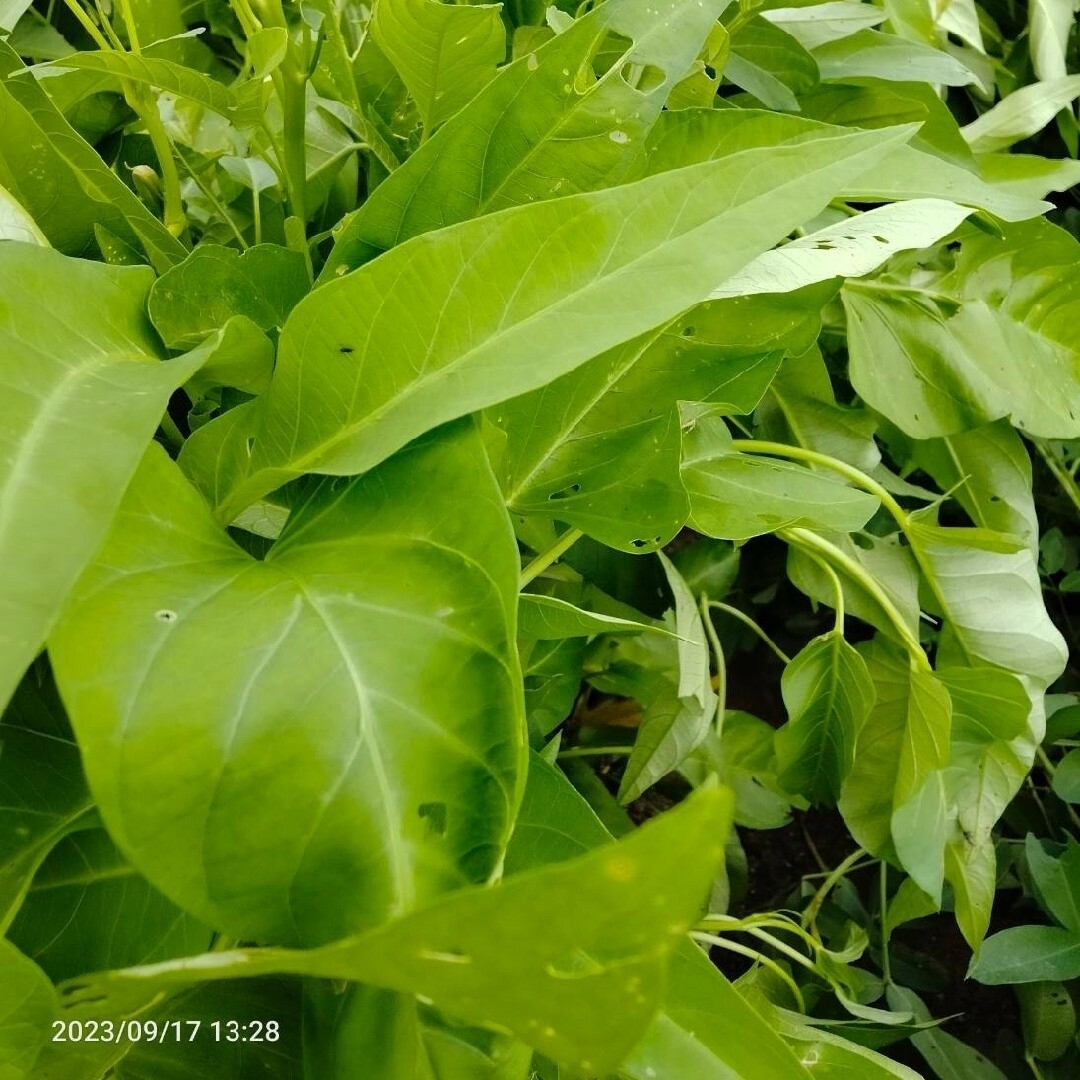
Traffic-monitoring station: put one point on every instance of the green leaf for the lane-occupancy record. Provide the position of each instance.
(242, 105)
(904, 740)
(1028, 175)
(43, 794)
(886, 56)
(673, 725)
(582, 992)
(214, 284)
(16, 223)
(770, 64)
(11, 11)
(688, 136)
(850, 248)
(638, 254)
(381, 624)
(1057, 881)
(444, 54)
(547, 618)
(1048, 1019)
(556, 823)
(1023, 113)
(736, 496)
(60, 180)
(828, 694)
(599, 447)
(1026, 954)
(988, 472)
(88, 909)
(542, 127)
(1049, 24)
(1066, 778)
(947, 1056)
(27, 1007)
(816, 24)
(968, 567)
(62, 469)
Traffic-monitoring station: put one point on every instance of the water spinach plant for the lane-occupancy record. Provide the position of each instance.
(412, 412)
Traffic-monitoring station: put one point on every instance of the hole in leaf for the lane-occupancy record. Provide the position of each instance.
(824, 245)
(434, 813)
(166, 616)
(565, 492)
(881, 239)
(346, 349)
(642, 77)
(639, 543)
(688, 331)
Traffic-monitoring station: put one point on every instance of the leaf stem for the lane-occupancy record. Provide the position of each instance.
(807, 540)
(594, 751)
(812, 457)
(1060, 473)
(719, 683)
(886, 964)
(542, 561)
(758, 958)
(735, 613)
(809, 916)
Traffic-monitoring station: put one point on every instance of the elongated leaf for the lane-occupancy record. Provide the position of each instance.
(828, 694)
(1057, 881)
(673, 725)
(43, 794)
(62, 469)
(735, 496)
(638, 254)
(886, 56)
(770, 64)
(60, 180)
(817, 24)
(582, 992)
(242, 105)
(850, 248)
(444, 54)
(380, 626)
(688, 136)
(27, 1007)
(1026, 954)
(1049, 23)
(599, 447)
(545, 126)
(950, 1058)
(1023, 113)
(548, 618)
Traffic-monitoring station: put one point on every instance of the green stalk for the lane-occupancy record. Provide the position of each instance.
(810, 541)
(546, 558)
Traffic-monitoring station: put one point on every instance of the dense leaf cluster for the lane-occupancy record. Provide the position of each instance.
(390, 395)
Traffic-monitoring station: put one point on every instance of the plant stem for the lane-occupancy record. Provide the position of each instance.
(809, 917)
(758, 958)
(811, 541)
(719, 682)
(886, 965)
(594, 751)
(1061, 474)
(735, 613)
(1049, 768)
(812, 457)
(542, 561)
